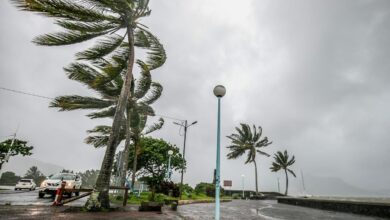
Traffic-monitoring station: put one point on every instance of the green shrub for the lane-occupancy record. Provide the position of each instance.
(236, 196)
(167, 186)
(207, 189)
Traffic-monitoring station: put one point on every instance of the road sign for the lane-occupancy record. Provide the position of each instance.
(227, 183)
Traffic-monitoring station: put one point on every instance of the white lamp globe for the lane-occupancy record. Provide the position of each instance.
(170, 152)
(219, 91)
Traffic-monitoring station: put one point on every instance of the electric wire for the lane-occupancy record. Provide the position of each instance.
(46, 97)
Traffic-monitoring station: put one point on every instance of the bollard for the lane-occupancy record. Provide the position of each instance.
(125, 196)
(58, 198)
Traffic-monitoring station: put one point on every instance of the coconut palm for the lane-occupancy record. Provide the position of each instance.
(282, 161)
(114, 20)
(250, 142)
(143, 94)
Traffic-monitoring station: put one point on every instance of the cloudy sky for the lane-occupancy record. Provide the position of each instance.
(313, 74)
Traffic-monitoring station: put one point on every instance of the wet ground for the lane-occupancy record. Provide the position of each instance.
(263, 209)
(26, 197)
(27, 205)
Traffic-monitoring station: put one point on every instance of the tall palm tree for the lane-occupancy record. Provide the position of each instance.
(84, 20)
(282, 162)
(250, 142)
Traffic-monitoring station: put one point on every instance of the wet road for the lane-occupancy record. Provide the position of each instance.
(26, 197)
(237, 209)
(263, 209)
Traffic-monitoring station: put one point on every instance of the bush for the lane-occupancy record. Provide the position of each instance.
(207, 189)
(166, 186)
(236, 196)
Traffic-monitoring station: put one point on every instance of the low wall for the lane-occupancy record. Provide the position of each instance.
(356, 207)
(187, 202)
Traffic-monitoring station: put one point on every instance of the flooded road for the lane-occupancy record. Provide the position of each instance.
(263, 209)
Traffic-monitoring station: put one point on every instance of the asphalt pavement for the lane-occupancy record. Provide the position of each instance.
(26, 197)
(237, 209)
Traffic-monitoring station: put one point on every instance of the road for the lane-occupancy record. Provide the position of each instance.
(237, 209)
(26, 197)
(263, 209)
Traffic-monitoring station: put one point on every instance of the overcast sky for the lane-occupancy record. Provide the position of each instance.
(314, 74)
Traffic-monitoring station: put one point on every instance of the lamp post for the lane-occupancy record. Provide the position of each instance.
(170, 152)
(219, 92)
(185, 125)
(243, 193)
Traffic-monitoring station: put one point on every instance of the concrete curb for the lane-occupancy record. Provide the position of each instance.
(187, 202)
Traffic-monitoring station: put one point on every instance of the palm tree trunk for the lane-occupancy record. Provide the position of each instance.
(103, 180)
(125, 157)
(257, 188)
(285, 171)
(136, 142)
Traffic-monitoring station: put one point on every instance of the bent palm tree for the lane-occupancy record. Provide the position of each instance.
(282, 162)
(143, 94)
(246, 140)
(84, 20)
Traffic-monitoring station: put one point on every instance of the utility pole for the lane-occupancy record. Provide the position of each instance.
(186, 126)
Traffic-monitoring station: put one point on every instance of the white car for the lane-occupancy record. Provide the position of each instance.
(50, 185)
(25, 184)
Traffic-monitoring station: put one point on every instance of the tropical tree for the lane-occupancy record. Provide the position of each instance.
(83, 20)
(282, 162)
(152, 162)
(9, 179)
(13, 147)
(250, 142)
(35, 174)
(143, 94)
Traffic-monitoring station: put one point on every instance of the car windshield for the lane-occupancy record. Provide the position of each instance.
(25, 181)
(64, 176)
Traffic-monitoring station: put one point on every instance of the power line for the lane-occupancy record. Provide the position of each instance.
(26, 93)
(46, 97)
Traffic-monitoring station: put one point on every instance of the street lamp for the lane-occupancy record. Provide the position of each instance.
(185, 125)
(243, 194)
(219, 92)
(170, 152)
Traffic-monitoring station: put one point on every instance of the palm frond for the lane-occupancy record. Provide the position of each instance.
(101, 49)
(67, 103)
(64, 9)
(155, 126)
(65, 38)
(143, 84)
(108, 112)
(154, 94)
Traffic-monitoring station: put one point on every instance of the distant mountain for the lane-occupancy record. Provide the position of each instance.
(333, 186)
(19, 165)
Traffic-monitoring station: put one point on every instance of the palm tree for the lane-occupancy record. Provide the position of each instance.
(144, 93)
(246, 140)
(282, 162)
(114, 20)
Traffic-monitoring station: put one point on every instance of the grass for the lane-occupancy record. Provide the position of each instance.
(144, 197)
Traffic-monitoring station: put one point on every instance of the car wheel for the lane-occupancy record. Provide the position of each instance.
(41, 195)
(77, 193)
